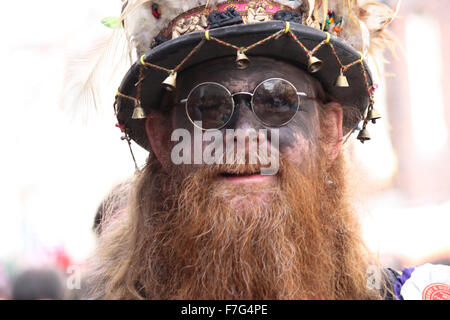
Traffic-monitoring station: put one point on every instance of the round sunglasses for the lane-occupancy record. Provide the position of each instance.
(274, 102)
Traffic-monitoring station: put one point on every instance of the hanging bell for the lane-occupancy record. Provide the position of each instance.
(171, 81)
(373, 115)
(314, 64)
(242, 61)
(138, 112)
(342, 81)
(363, 135)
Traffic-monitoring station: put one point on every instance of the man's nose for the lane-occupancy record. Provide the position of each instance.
(246, 125)
(244, 118)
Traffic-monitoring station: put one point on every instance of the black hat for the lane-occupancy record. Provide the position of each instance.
(329, 40)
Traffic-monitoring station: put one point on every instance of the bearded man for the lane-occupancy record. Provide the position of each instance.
(228, 230)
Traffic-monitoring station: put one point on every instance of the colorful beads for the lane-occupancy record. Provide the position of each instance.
(156, 11)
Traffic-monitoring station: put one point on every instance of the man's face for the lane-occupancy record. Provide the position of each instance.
(205, 231)
(296, 142)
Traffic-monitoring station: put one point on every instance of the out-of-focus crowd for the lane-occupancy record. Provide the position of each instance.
(46, 282)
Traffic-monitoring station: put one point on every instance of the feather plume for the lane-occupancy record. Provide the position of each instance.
(90, 74)
(378, 17)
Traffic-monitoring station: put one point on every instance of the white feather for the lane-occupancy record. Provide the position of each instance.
(92, 75)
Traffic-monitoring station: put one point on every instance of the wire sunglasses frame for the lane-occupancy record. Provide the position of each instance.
(252, 94)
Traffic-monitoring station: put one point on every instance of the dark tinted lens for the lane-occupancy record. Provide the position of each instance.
(211, 104)
(275, 102)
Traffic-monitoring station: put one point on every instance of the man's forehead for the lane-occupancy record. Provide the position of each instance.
(224, 71)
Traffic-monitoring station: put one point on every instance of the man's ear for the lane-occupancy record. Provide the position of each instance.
(158, 129)
(332, 130)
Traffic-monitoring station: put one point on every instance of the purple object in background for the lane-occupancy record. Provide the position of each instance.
(406, 274)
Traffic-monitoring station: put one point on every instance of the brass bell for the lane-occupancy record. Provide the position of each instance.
(342, 81)
(242, 61)
(373, 115)
(363, 135)
(314, 64)
(171, 81)
(138, 112)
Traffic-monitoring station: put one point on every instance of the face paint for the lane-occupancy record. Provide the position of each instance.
(296, 138)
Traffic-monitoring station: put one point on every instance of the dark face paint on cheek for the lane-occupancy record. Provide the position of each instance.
(303, 129)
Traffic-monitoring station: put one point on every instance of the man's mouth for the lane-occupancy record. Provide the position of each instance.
(244, 174)
(244, 177)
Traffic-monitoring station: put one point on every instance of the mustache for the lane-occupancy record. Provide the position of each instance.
(243, 162)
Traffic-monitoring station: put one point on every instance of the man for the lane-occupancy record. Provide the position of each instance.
(228, 228)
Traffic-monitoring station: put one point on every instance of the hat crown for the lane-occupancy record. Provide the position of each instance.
(359, 25)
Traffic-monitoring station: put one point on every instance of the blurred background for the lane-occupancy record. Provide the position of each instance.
(57, 165)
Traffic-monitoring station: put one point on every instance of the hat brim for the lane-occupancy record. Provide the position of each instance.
(169, 54)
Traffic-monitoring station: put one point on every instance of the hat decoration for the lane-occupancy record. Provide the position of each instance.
(333, 40)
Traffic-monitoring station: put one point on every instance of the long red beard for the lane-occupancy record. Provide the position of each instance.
(198, 239)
